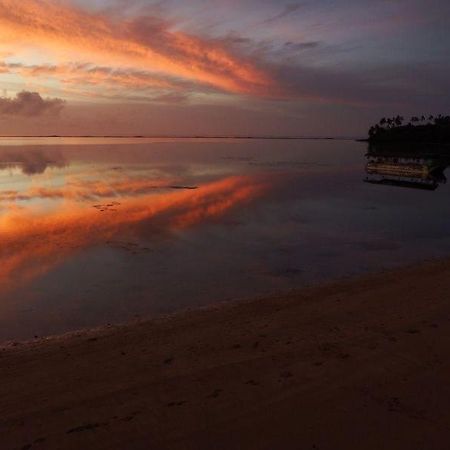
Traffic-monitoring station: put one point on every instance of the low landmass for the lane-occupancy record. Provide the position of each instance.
(294, 138)
(418, 130)
(348, 365)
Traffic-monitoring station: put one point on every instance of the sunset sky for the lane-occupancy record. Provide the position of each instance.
(220, 67)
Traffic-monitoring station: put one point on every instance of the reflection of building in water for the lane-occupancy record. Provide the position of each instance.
(419, 172)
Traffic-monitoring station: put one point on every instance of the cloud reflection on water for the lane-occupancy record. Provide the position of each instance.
(32, 162)
(35, 241)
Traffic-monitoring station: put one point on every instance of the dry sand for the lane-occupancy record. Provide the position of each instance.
(360, 364)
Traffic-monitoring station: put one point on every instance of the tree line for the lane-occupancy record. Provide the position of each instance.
(422, 128)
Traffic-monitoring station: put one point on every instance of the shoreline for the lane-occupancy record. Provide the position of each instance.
(223, 305)
(322, 367)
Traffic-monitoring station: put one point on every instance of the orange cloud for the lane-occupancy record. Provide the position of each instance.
(144, 44)
(86, 74)
(34, 243)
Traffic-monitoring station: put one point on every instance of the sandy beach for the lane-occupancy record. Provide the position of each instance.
(357, 364)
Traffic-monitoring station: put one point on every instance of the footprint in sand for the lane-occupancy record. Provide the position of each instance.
(171, 404)
(286, 374)
(87, 427)
(130, 417)
(413, 331)
(216, 393)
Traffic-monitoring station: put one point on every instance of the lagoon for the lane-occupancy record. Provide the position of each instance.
(96, 231)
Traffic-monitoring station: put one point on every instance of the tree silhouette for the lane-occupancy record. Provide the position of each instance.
(420, 129)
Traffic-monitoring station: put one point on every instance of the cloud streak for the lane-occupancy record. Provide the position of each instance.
(289, 9)
(142, 43)
(104, 82)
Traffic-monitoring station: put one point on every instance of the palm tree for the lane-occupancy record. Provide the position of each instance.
(398, 121)
(438, 120)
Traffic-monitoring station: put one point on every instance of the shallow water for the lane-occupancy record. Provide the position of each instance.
(103, 230)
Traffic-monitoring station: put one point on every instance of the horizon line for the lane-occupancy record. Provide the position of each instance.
(138, 136)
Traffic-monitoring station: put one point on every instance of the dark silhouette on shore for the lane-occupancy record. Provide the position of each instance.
(419, 129)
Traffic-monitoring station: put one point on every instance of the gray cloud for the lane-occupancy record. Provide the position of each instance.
(287, 10)
(300, 46)
(30, 104)
(389, 85)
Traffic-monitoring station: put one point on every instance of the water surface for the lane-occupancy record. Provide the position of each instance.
(103, 230)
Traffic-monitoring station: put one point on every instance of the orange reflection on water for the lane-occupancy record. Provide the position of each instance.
(34, 242)
(88, 190)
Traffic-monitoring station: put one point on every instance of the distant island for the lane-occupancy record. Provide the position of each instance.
(119, 136)
(422, 129)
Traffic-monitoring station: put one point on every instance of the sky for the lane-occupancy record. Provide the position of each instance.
(220, 67)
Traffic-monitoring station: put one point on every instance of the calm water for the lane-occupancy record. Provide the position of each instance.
(103, 230)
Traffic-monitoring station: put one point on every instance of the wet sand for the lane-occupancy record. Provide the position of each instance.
(358, 364)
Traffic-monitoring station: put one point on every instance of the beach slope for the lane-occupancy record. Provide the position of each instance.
(359, 364)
